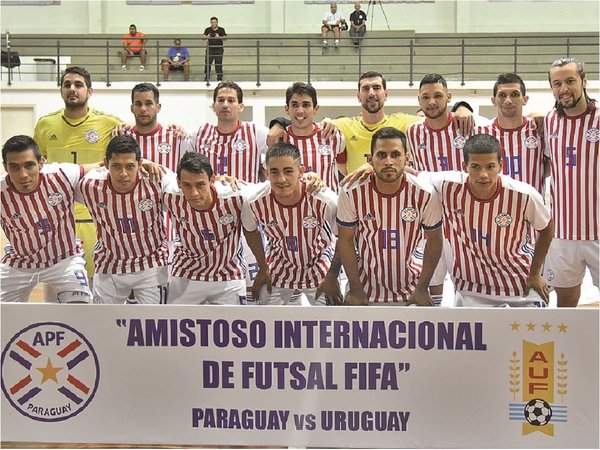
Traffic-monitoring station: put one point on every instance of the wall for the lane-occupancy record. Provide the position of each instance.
(294, 16)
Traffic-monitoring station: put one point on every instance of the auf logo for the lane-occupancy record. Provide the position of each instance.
(50, 372)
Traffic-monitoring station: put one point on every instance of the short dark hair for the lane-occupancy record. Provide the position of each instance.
(123, 144)
(20, 143)
(433, 78)
(581, 70)
(482, 144)
(230, 85)
(372, 74)
(302, 89)
(146, 87)
(509, 78)
(214, 18)
(281, 149)
(388, 133)
(77, 71)
(195, 163)
(133, 25)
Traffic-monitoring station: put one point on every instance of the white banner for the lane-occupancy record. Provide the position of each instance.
(300, 376)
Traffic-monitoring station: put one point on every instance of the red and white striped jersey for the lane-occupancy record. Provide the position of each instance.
(236, 154)
(489, 237)
(299, 237)
(573, 148)
(40, 226)
(129, 226)
(319, 155)
(436, 150)
(522, 152)
(162, 146)
(388, 229)
(209, 247)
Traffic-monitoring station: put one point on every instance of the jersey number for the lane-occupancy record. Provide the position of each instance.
(571, 156)
(512, 165)
(127, 225)
(291, 243)
(389, 239)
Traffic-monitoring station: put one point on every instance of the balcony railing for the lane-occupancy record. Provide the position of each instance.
(287, 58)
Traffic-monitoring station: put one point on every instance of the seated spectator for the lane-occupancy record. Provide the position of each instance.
(332, 22)
(133, 45)
(358, 26)
(178, 58)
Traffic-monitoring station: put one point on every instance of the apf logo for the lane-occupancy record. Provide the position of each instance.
(50, 372)
(538, 381)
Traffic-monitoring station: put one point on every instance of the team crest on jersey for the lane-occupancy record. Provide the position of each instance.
(92, 136)
(145, 204)
(240, 146)
(503, 219)
(409, 214)
(163, 147)
(324, 149)
(226, 219)
(592, 135)
(459, 142)
(310, 222)
(369, 216)
(55, 199)
(532, 142)
(50, 372)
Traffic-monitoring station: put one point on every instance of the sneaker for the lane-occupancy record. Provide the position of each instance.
(337, 42)
(142, 68)
(324, 42)
(124, 68)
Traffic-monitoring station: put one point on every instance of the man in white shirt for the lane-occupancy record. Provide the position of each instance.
(332, 21)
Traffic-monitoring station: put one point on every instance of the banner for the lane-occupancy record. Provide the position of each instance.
(300, 376)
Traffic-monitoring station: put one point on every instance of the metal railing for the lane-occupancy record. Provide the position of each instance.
(281, 58)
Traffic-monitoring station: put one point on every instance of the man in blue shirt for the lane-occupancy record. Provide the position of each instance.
(178, 58)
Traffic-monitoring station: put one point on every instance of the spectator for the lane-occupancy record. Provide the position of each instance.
(214, 52)
(178, 58)
(133, 45)
(332, 21)
(358, 26)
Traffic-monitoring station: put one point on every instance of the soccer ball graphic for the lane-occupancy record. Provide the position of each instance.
(537, 412)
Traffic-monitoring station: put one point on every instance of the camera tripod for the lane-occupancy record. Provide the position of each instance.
(371, 8)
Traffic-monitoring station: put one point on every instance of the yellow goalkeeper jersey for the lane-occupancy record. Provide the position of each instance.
(358, 135)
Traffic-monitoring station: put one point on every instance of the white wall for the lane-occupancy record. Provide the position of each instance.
(294, 16)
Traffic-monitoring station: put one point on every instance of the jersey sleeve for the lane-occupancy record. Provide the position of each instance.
(346, 210)
(249, 220)
(74, 173)
(432, 213)
(537, 213)
(261, 139)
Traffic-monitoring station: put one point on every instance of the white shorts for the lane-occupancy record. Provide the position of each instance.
(149, 287)
(192, 292)
(68, 279)
(475, 300)
(446, 261)
(567, 260)
(291, 297)
(250, 265)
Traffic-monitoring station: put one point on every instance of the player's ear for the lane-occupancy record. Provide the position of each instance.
(464, 166)
(493, 101)
(370, 159)
(241, 107)
(525, 99)
(212, 179)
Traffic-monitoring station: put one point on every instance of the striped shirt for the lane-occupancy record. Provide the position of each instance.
(236, 154)
(210, 239)
(40, 226)
(522, 152)
(489, 237)
(387, 230)
(300, 237)
(436, 150)
(318, 154)
(129, 226)
(573, 148)
(162, 146)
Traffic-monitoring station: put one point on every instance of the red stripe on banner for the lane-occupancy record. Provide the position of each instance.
(21, 384)
(78, 384)
(27, 348)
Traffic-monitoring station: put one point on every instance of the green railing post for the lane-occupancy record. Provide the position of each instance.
(462, 62)
(107, 63)
(257, 63)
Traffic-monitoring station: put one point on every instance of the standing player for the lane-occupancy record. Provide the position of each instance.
(385, 214)
(572, 133)
(357, 131)
(489, 215)
(436, 144)
(37, 218)
(76, 134)
(318, 154)
(522, 146)
(127, 209)
(207, 265)
(299, 228)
